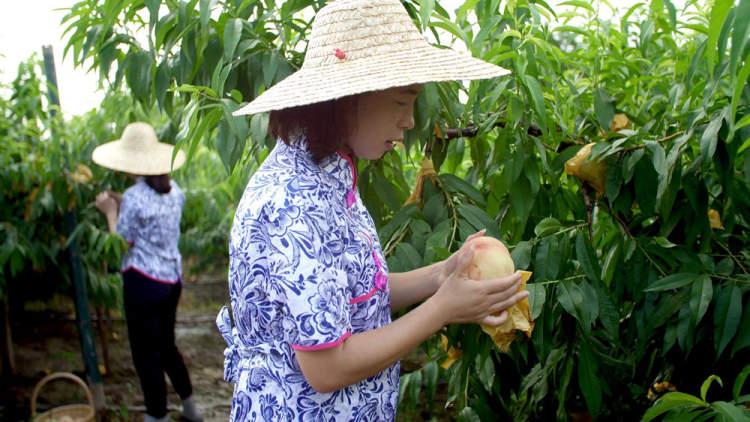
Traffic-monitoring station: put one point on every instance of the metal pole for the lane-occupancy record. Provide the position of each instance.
(83, 318)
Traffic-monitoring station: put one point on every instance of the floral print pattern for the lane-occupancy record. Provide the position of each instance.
(150, 222)
(304, 264)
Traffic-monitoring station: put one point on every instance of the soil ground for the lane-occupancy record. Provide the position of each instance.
(46, 341)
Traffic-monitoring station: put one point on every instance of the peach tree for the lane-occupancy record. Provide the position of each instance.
(639, 250)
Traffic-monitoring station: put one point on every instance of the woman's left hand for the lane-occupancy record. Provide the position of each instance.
(449, 264)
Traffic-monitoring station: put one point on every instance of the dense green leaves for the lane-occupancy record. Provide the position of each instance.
(631, 277)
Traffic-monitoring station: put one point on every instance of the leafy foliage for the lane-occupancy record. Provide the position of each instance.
(631, 285)
(46, 173)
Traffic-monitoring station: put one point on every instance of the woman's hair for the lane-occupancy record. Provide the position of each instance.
(324, 125)
(159, 183)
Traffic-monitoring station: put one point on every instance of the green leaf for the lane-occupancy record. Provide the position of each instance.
(630, 163)
(611, 262)
(403, 216)
(455, 184)
(589, 380)
(138, 74)
(603, 108)
(710, 137)
(537, 297)
(664, 242)
(674, 281)
(739, 382)
(701, 295)
(727, 314)
(405, 382)
(580, 301)
(162, 83)
(739, 85)
(731, 412)
(547, 259)
(578, 4)
(645, 188)
(609, 315)
(478, 218)
(205, 13)
(719, 13)
(740, 33)
(744, 147)
(385, 191)
(270, 66)
(486, 373)
(707, 384)
(468, 414)
(745, 120)
(587, 258)
(535, 91)
(547, 226)
(670, 401)
(425, 11)
(153, 11)
(522, 255)
(409, 255)
(658, 160)
(232, 35)
(258, 127)
(430, 377)
(742, 340)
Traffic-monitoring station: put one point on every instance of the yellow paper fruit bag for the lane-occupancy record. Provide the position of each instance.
(492, 260)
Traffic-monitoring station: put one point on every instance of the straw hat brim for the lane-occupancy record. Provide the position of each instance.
(375, 73)
(155, 160)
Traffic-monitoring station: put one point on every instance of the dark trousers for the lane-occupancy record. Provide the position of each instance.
(151, 308)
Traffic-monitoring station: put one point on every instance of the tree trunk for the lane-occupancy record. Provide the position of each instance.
(101, 325)
(8, 361)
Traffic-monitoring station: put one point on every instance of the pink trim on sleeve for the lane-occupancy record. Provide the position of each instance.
(323, 346)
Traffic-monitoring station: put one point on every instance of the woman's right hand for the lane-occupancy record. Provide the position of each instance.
(106, 203)
(464, 300)
(117, 196)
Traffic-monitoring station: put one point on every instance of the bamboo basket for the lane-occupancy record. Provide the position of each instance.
(67, 413)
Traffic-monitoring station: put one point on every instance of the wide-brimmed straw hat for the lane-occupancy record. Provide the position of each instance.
(138, 152)
(359, 46)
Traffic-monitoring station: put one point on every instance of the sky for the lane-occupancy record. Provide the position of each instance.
(31, 24)
(28, 25)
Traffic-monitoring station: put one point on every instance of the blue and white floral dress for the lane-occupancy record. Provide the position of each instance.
(306, 271)
(150, 222)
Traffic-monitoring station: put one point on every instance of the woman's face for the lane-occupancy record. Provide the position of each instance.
(382, 118)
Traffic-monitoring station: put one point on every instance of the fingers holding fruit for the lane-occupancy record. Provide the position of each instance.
(467, 298)
(485, 288)
(449, 265)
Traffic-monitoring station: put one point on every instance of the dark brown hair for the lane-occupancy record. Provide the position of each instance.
(325, 125)
(159, 183)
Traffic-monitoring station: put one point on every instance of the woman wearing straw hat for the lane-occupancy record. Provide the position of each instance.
(148, 215)
(311, 336)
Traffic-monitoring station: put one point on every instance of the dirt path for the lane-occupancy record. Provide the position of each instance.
(46, 341)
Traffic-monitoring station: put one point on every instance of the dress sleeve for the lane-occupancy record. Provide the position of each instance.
(304, 251)
(127, 220)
